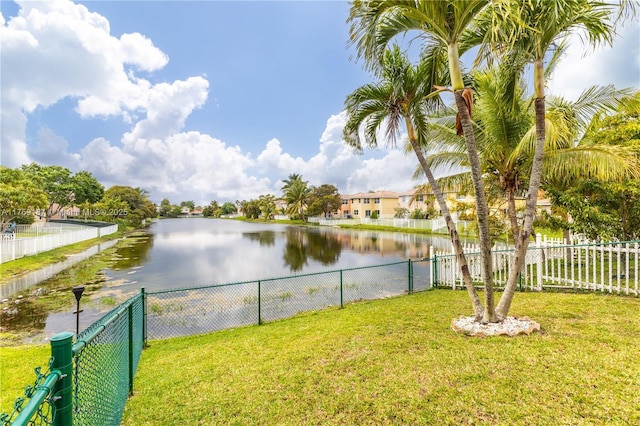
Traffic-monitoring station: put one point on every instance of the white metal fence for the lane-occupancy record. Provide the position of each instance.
(437, 224)
(598, 266)
(33, 239)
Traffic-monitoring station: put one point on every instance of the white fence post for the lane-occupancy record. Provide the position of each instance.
(539, 262)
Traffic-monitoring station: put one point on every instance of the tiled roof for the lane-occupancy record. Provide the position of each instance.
(376, 194)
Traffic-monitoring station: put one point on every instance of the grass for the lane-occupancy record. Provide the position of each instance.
(17, 371)
(397, 361)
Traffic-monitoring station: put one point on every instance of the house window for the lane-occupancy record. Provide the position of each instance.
(366, 201)
(355, 212)
(345, 202)
(420, 198)
(376, 200)
(367, 213)
(378, 213)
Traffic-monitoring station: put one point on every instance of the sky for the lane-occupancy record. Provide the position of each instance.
(211, 100)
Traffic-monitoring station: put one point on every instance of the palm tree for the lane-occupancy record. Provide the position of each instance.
(293, 177)
(375, 23)
(297, 197)
(541, 26)
(578, 157)
(505, 128)
(515, 27)
(267, 205)
(400, 97)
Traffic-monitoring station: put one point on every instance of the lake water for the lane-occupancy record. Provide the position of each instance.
(198, 251)
(179, 253)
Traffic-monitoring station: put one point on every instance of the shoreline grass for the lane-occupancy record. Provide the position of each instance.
(56, 289)
(397, 361)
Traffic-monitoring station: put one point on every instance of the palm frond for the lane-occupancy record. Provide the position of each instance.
(444, 163)
(603, 162)
(459, 182)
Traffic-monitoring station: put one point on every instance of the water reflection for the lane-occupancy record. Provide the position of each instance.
(295, 253)
(325, 248)
(135, 253)
(33, 278)
(302, 244)
(264, 238)
(181, 253)
(198, 251)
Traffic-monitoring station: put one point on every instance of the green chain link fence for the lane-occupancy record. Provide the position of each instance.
(88, 381)
(196, 310)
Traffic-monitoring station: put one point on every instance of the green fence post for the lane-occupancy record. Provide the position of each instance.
(341, 297)
(130, 314)
(61, 351)
(434, 275)
(259, 306)
(410, 276)
(144, 317)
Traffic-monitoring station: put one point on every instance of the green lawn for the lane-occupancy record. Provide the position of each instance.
(17, 371)
(397, 361)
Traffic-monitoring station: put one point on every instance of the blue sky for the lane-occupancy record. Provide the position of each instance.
(209, 100)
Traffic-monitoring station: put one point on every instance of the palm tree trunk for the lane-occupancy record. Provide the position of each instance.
(478, 309)
(513, 215)
(482, 209)
(532, 195)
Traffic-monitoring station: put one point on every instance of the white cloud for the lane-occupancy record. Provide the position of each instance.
(56, 50)
(60, 50)
(52, 149)
(52, 50)
(337, 164)
(107, 163)
(272, 158)
(583, 66)
(184, 166)
(140, 51)
(168, 106)
(13, 149)
(393, 172)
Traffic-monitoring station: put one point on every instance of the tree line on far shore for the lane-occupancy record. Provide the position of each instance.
(34, 192)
